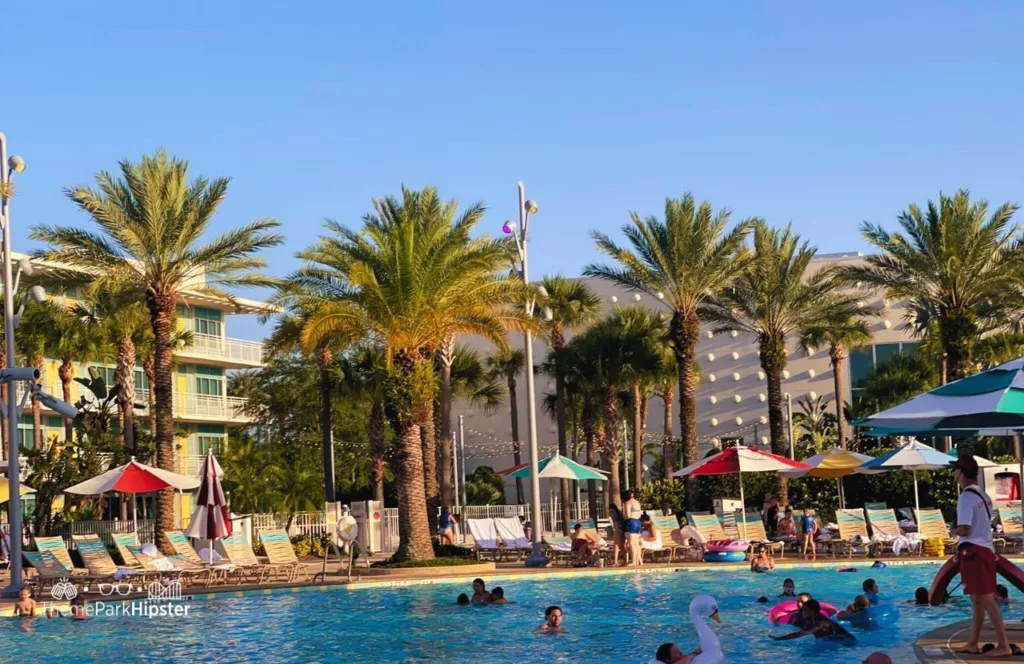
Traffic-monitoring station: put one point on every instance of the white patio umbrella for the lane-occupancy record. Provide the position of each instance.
(913, 456)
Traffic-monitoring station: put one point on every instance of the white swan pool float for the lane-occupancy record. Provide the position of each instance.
(704, 606)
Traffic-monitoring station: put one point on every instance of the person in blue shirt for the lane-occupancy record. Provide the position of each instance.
(446, 527)
(810, 528)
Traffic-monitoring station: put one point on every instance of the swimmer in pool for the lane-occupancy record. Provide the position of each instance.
(480, 594)
(818, 626)
(921, 596)
(797, 618)
(498, 596)
(762, 562)
(26, 606)
(860, 605)
(552, 619)
(462, 600)
(870, 589)
(788, 589)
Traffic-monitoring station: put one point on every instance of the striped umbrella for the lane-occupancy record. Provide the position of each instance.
(211, 519)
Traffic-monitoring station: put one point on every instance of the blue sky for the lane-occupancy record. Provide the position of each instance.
(823, 114)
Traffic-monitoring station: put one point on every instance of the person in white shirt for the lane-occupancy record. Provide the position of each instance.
(977, 557)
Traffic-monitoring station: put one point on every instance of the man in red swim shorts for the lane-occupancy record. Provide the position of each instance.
(977, 557)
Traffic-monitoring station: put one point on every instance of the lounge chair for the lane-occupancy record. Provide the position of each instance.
(186, 558)
(885, 529)
(49, 570)
(853, 534)
(98, 561)
(665, 544)
(485, 538)
(278, 547)
(1010, 518)
(730, 526)
(240, 554)
(55, 545)
(558, 549)
(931, 524)
(755, 533)
(514, 542)
(180, 570)
(708, 525)
(876, 506)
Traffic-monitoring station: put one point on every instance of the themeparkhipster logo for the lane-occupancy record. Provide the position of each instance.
(163, 599)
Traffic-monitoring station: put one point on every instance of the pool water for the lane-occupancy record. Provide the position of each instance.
(608, 618)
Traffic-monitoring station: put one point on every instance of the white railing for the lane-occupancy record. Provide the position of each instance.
(224, 409)
(224, 348)
(143, 528)
(389, 530)
(190, 464)
(310, 524)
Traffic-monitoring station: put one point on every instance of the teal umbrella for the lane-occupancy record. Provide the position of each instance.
(557, 466)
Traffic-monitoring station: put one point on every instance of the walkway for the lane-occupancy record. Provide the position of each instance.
(939, 646)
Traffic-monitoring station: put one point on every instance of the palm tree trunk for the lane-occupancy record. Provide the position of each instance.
(124, 375)
(413, 524)
(428, 440)
(638, 438)
(150, 371)
(66, 372)
(838, 356)
(323, 361)
(517, 454)
(589, 434)
(446, 472)
(378, 425)
(564, 488)
(612, 445)
(773, 361)
(684, 331)
(668, 444)
(37, 415)
(161, 312)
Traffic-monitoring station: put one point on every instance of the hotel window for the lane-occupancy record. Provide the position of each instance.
(863, 361)
(206, 321)
(209, 381)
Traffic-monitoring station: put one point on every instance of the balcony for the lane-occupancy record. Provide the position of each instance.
(190, 464)
(224, 350)
(192, 407)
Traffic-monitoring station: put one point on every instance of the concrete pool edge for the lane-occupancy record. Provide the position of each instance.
(939, 645)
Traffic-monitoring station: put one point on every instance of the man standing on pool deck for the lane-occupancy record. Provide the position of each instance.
(977, 557)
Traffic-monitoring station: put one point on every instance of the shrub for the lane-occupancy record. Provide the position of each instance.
(435, 562)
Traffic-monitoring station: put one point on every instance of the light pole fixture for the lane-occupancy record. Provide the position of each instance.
(13, 375)
(526, 208)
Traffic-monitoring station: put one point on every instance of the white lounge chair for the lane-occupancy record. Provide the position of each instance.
(513, 537)
(485, 538)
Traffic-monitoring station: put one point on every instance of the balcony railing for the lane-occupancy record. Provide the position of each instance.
(186, 406)
(190, 464)
(225, 349)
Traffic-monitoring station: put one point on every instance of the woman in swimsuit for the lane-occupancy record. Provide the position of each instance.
(816, 625)
(632, 510)
(618, 536)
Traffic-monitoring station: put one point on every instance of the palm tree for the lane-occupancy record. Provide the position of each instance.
(404, 284)
(682, 260)
(508, 363)
(897, 379)
(815, 421)
(30, 343)
(125, 324)
(772, 301)
(69, 340)
(285, 338)
(649, 329)
(842, 330)
(998, 348)
(952, 265)
(615, 354)
(366, 376)
(573, 305)
(151, 222)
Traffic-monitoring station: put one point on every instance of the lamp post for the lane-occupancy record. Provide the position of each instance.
(789, 421)
(11, 374)
(526, 208)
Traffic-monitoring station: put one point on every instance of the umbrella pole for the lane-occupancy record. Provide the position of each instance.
(917, 501)
(1020, 476)
(743, 508)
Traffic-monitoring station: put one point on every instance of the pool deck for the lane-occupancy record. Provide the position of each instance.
(938, 646)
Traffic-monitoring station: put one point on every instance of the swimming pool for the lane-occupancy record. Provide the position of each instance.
(608, 618)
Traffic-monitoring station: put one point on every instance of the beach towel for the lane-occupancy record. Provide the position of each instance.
(510, 529)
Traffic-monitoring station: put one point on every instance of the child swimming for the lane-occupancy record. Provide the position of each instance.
(26, 606)
(818, 626)
(788, 589)
(870, 589)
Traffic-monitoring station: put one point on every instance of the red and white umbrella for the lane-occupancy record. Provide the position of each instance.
(741, 460)
(134, 477)
(211, 519)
